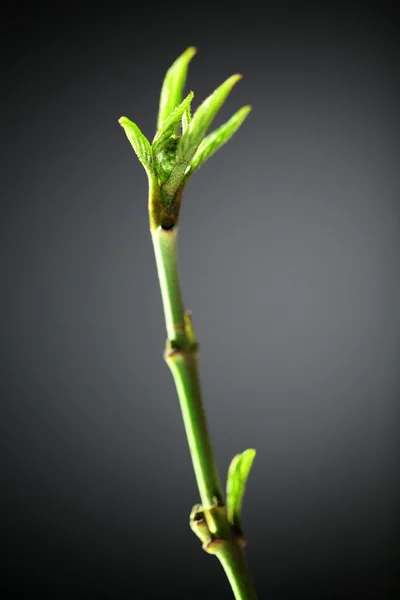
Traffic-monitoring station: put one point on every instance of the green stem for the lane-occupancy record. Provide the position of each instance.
(165, 250)
(234, 564)
(182, 358)
(184, 370)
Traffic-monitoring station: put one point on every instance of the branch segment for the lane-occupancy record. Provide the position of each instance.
(209, 520)
(176, 152)
(183, 364)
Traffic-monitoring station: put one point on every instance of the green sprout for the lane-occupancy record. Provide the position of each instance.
(180, 146)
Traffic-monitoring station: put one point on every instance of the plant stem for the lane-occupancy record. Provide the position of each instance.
(234, 564)
(182, 357)
(182, 360)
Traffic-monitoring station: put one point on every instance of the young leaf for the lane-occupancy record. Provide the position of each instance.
(218, 138)
(174, 82)
(186, 118)
(202, 120)
(171, 123)
(190, 140)
(238, 473)
(140, 143)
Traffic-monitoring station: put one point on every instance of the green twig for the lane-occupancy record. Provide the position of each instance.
(169, 162)
(181, 357)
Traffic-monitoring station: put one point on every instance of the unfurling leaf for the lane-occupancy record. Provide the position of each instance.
(193, 135)
(218, 138)
(171, 123)
(202, 120)
(238, 473)
(186, 118)
(138, 140)
(174, 82)
(165, 141)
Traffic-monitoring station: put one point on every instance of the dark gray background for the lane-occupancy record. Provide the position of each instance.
(289, 255)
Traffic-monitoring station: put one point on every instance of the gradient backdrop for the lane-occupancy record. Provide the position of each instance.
(289, 252)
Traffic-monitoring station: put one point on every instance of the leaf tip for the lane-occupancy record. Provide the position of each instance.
(243, 112)
(190, 52)
(231, 81)
(124, 121)
(249, 455)
(235, 78)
